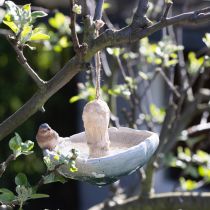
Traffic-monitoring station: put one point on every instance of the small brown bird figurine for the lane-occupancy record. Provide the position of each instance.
(46, 137)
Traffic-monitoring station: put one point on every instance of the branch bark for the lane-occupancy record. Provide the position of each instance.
(164, 201)
(23, 61)
(130, 34)
(35, 103)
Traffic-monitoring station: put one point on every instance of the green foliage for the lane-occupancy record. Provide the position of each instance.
(56, 160)
(86, 92)
(20, 20)
(195, 165)
(77, 9)
(194, 63)
(206, 39)
(19, 147)
(158, 114)
(188, 184)
(24, 192)
(163, 53)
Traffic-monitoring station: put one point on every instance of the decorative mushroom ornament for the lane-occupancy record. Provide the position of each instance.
(105, 154)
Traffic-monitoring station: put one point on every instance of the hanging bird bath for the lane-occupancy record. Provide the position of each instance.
(105, 154)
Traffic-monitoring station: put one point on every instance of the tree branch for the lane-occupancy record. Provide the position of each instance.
(75, 39)
(71, 68)
(98, 10)
(168, 5)
(4, 165)
(140, 19)
(130, 34)
(164, 201)
(23, 61)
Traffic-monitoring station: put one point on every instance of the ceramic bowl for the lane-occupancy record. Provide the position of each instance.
(129, 150)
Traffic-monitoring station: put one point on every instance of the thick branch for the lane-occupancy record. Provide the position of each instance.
(71, 68)
(139, 19)
(164, 201)
(129, 34)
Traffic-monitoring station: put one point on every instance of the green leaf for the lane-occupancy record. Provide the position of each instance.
(188, 184)
(15, 144)
(194, 63)
(158, 114)
(57, 21)
(106, 5)
(27, 7)
(77, 9)
(6, 196)
(54, 178)
(27, 146)
(206, 39)
(39, 36)
(63, 42)
(114, 51)
(21, 179)
(12, 26)
(38, 195)
(74, 99)
(26, 33)
(38, 14)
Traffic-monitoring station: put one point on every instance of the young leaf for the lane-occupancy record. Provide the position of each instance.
(21, 179)
(37, 195)
(27, 7)
(12, 26)
(38, 14)
(26, 33)
(39, 36)
(27, 146)
(54, 178)
(57, 21)
(6, 196)
(15, 144)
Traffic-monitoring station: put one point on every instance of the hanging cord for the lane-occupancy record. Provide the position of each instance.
(98, 70)
(98, 25)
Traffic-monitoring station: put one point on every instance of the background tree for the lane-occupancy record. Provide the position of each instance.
(139, 63)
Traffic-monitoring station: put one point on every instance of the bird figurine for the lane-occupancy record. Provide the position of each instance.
(46, 137)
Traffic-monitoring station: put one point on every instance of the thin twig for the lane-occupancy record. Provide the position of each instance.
(23, 61)
(4, 165)
(168, 82)
(74, 36)
(168, 5)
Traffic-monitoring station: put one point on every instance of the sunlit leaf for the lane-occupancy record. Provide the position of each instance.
(158, 114)
(188, 184)
(11, 25)
(57, 21)
(74, 99)
(39, 36)
(27, 7)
